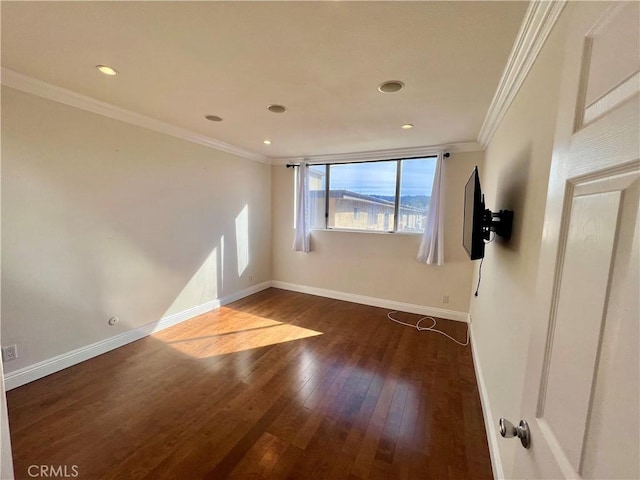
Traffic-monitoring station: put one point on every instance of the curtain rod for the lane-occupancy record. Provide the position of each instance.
(293, 165)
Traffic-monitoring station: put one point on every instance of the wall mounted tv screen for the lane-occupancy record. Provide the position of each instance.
(473, 225)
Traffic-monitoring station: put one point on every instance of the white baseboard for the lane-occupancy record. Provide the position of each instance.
(374, 302)
(55, 364)
(489, 424)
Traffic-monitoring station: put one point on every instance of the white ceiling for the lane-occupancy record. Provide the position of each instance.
(179, 61)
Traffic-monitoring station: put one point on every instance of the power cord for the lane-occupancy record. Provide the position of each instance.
(431, 328)
(479, 277)
(480, 269)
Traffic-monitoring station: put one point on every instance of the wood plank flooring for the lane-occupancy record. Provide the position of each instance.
(277, 385)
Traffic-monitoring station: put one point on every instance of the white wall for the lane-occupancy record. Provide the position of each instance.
(101, 218)
(377, 265)
(515, 177)
(6, 460)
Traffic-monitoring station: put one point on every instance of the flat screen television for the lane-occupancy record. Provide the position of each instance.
(479, 221)
(473, 230)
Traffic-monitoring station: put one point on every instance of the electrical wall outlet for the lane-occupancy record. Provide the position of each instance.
(9, 353)
(445, 299)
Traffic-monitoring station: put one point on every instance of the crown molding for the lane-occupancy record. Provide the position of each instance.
(46, 90)
(538, 21)
(389, 154)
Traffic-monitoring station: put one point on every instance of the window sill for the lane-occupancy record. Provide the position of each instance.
(375, 232)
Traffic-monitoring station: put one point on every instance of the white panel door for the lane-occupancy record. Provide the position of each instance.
(581, 397)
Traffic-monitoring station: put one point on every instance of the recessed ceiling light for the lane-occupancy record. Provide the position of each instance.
(273, 108)
(407, 126)
(213, 118)
(391, 86)
(107, 70)
(267, 142)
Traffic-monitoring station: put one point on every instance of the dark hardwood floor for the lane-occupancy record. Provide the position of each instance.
(277, 385)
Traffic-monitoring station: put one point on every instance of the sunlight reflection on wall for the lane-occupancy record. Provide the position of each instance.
(201, 288)
(222, 257)
(242, 239)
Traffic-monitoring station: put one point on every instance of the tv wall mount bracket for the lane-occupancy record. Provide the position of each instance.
(500, 222)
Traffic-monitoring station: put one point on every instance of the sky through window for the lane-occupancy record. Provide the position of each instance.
(378, 178)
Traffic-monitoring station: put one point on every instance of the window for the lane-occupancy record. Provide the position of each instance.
(317, 201)
(382, 196)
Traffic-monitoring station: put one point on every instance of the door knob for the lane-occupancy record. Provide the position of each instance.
(508, 430)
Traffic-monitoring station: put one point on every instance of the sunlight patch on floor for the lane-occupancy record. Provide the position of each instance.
(241, 332)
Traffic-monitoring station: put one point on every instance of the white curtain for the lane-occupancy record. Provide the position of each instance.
(302, 237)
(432, 245)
